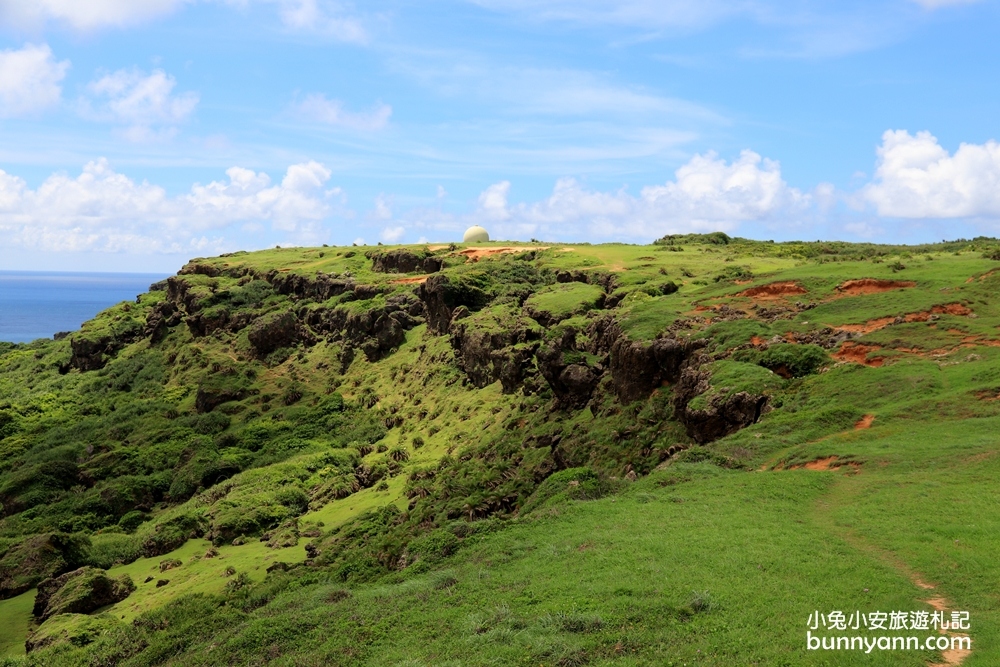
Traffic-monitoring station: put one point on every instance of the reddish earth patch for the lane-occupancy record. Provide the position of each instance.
(982, 277)
(979, 458)
(773, 290)
(757, 340)
(821, 464)
(944, 309)
(858, 353)
(883, 322)
(864, 423)
(988, 395)
(869, 326)
(872, 286)
(827, 463)
(476, 254)
(951, 657)
(938, 603)
(414, 280)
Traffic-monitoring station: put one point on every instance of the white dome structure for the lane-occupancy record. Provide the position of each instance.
(475, 234)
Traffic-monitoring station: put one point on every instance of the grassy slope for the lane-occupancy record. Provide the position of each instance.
(623, 580)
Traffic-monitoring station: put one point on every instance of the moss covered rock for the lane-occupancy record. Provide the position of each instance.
(38, 558)
(80, 592)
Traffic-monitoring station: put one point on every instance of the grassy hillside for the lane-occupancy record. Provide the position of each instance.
(509, 454)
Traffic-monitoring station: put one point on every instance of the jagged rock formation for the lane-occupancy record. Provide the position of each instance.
(637, 368)
(723, 414)
(441, 297)
(277, 330)
(501, 352)
(403, 261)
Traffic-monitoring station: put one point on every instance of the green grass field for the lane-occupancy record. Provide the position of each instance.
(484, 495)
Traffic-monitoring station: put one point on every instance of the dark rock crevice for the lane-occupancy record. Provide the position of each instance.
(486, 356)
(403, 261)
(376, 332)
(722, 415)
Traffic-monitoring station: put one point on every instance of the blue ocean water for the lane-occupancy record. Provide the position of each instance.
(38, 305)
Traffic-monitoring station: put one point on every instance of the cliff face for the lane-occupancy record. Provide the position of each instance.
(249, 391)
(515, 340)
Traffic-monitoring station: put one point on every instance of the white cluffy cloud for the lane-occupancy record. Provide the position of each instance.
(143, 104)
(707, 194)
(917, 178)
(331, 112)
(102, 210)
(30, 80)
(84, 14)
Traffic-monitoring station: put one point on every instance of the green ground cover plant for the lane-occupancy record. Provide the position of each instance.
(509, 454)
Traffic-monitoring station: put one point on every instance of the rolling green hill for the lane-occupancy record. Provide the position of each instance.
(507, 454)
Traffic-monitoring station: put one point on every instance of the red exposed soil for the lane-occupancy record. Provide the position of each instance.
(883, 322)
(773, 290)
(476, 254)
(945, 309)
(982, 277)
(827, 463)
(988, 395)
(872, 286)
(858, 353)
(757, 340)
(864, 423)
(869, 326)
(414, 280)
(820, 464)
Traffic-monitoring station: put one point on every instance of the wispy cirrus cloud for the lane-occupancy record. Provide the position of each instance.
(791, 29)
(647, 14)
(325, 17)
(938, 4)
(84, 15)
(318, 108)
(322, 17)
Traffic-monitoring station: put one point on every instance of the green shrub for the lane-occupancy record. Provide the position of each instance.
(787, 359)
(734, 273)
(573, 483)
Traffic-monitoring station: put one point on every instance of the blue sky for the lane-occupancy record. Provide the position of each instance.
(134, 135)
